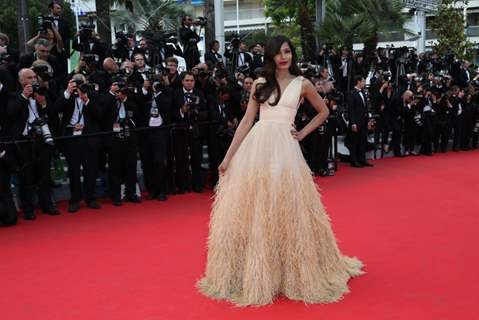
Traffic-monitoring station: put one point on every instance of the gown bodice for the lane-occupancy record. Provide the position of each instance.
(285, 110)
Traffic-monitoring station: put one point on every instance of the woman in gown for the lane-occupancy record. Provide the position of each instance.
(269, 233)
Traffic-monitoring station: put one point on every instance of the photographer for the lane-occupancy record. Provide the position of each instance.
(41, 52)
(221, 134)
(189, 39)
(8, 56)
(121, 113)
(174, 79)
(159, 46)
(237, 55)
(214, 56)
(103, 78)
(257, 52)
(189, 107)
(51, 34)
(8, 212)
(81, 114)
(28, 111)
(154, 146)
(413, 123)
(204, 82)
(87, 41)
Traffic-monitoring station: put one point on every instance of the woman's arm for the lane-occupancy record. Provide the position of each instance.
(243, 128)
(59, 40)
(310, 93)
(31, 42)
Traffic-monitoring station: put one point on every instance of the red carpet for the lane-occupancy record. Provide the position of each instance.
(413, 221)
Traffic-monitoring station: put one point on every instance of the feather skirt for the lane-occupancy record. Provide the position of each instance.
(269, 232)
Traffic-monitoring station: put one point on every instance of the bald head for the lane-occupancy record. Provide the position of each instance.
(26, 76)
(110, 66)
(408, 96)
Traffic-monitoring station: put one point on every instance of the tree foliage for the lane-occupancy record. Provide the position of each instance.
(154, 15)
(294, 19)
(9, 16)
(346, 21)
(451, 36)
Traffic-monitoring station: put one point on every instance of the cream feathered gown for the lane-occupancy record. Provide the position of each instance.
(269, 233)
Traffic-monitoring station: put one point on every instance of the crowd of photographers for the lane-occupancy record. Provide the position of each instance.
(132, 101)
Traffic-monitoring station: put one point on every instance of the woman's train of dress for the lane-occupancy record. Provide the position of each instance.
(269, 233)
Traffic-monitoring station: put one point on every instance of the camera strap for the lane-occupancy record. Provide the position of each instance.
(121, 113)
(79, 107)
(35, 113)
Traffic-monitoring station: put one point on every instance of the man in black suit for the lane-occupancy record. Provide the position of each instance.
(464, 76)
(213, 56)
(239, 56)
(63, 29)
(41, 53)
(220, 134)
(358, 124)
(155, 111)
(82, 114)
(27, 109)
(121, 115)
(8, 56)
(258, 57)
(189, 39)
(189, 107)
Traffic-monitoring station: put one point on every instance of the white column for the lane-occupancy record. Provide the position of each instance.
(220, 24)
(421, 23)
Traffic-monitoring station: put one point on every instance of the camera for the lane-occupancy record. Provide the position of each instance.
(200, 21)
(5, 58)
(44, 23)
(191, 99)
(39, 89)
(91, 58)
(44, 71)
(39, 129)
(244, 69)
(86, 32)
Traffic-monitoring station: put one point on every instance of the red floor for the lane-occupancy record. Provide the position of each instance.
(413, 221)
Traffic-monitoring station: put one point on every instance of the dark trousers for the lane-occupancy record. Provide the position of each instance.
(358, 142)
(82, 159)
(427, 135)
(8, 212)
(34, 175)
(153, 148)
(411, 136)
(458, 127)
(187, 151)
(322, 144)
(442, 136)
(122, 160)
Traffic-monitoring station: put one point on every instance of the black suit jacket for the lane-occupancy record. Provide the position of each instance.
(358, 110)
(193, 117)
(27, 60)
(215, 58)
(18, 111)
(163, 101)
(92, 113)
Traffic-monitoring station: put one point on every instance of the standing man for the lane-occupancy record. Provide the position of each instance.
(189, 39)
(28, 110)
(189, 107)
(81, 115)
(61, 25)
(214, 56)
(358, 124)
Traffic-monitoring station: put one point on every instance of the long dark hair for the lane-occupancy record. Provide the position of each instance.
(272, 48)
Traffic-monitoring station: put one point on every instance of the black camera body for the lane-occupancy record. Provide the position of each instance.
(39, 130)
(44, 23)
(201, 21)
(43, 71)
